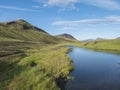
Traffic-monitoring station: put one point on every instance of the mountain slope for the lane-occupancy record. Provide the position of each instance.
(18, 25)
(22, 30)
(31, 59)
(68, 36)
(19, 34)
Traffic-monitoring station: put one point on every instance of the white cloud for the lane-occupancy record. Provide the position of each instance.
(114, 19)
(59, 3)
(106, 20)
(17, 8)
(108, 4)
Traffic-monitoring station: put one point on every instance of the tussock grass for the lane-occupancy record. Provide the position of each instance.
(37, 70)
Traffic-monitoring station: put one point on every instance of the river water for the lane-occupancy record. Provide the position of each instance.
(94, 70)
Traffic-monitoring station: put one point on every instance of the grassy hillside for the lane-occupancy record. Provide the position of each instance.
(67, 36)
(22, 30)
(35, 69)
(31, 59)
(113, 45)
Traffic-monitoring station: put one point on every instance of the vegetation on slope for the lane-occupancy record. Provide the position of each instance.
(35, 69)
(67, 36)
(31, 59)
(112, 45)
(22, 30)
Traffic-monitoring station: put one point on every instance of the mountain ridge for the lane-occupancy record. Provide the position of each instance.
(22, 30)
(20, 24)
(65, 35)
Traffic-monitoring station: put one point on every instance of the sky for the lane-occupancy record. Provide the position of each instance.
(84, 19)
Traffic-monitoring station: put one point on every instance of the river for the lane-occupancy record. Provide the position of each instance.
(94, 70)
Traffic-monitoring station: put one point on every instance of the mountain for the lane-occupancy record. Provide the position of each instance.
(65, 35)
(21, 30)
(24, 31)
(118, 38)
(18, 25)
(88, 40)
(30, 58)
(97, 39)
(100, 39)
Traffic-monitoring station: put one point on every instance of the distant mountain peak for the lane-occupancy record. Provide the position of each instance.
(88, 40)
(65, 35)
(118, 38)
(99, 39)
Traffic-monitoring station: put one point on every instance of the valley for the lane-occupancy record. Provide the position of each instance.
(32, 59)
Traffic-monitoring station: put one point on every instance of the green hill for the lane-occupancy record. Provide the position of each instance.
(67, 36)
(22, 30)
(113, 44)
(32, 59)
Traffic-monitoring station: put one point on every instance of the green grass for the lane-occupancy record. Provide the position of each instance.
(105, 45)
(35, 68)
(31, 59)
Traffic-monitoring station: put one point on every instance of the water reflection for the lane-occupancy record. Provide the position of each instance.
(94, 70)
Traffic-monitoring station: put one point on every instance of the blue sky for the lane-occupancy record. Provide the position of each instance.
(84, 19)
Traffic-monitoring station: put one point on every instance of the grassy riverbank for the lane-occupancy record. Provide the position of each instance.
(35, 68)
(103, 45)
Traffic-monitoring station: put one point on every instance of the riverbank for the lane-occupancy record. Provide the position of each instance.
(105, 45)
(36, 68)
